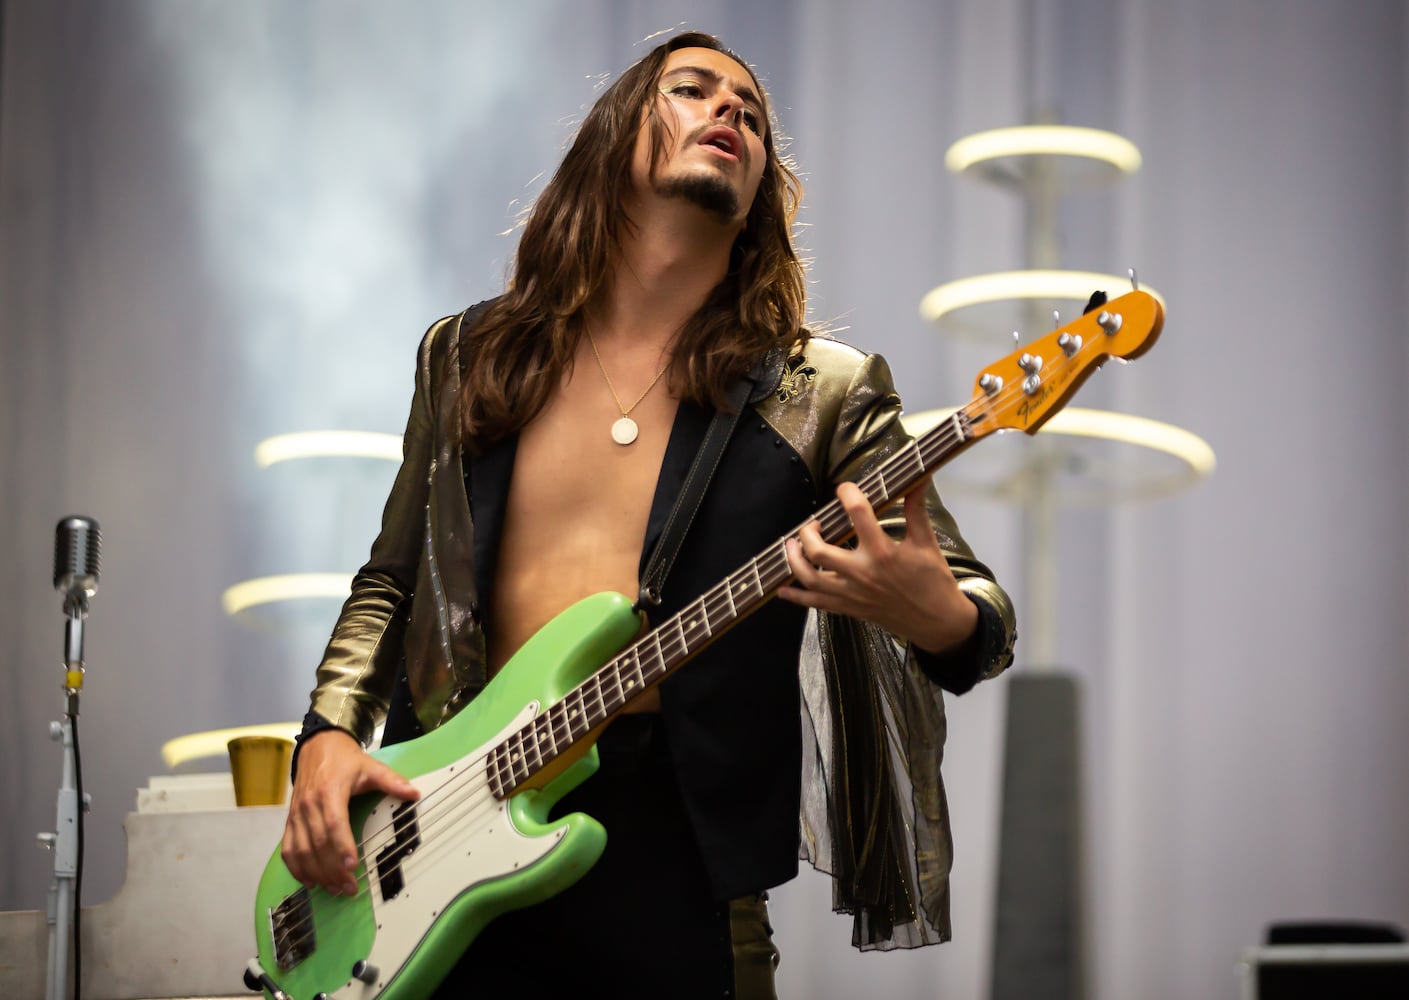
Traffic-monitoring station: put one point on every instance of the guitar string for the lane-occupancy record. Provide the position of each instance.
(437, 816)
(710, 601)
(832, 513)
(432, 844)
(430, 816)
(832, 518)
(675, 643)
(431, 823)
(432, 820)
(560, 726)
(437, 813)
(432, 813)
(672, 646)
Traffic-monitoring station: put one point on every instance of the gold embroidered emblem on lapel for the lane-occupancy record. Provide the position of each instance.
(796, 375)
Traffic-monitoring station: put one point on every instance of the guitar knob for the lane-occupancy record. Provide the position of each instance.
(1030, 363)
(1110, 322)
(1069, 344)
(991, 384)
(365, 971)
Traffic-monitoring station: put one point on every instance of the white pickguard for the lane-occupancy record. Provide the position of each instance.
(467, 838)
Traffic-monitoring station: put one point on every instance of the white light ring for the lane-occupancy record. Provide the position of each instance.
(1002, 286)
(1190, 449)
(1044, 140)
(335, 444)
(285, 587)
(213, 742)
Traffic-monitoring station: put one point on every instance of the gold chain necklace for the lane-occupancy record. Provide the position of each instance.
(624, 430)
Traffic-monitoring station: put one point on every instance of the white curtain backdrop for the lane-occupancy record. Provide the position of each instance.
(224, 221)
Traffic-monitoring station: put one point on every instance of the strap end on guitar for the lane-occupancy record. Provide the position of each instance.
(648, 596)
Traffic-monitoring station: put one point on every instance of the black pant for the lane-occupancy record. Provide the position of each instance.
(642, 922)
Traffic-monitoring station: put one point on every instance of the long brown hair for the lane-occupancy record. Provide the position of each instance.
(526, 340)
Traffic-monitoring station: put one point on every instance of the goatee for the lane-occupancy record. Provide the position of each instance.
(710, 192)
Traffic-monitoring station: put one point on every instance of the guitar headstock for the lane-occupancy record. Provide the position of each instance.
(1023, 390)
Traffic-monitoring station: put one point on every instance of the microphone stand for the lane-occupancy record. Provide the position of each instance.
(67, 840)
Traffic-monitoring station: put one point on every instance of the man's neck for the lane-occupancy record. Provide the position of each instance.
(664, 270)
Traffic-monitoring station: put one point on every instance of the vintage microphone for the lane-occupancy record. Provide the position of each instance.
(77, 541)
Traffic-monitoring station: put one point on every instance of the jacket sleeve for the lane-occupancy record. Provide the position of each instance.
(365, 653)
(868, 432)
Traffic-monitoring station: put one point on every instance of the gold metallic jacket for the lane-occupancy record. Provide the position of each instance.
(874, 820)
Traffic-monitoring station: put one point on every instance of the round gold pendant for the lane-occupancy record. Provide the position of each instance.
(624, 431)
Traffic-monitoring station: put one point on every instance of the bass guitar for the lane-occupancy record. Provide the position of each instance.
(432, 873)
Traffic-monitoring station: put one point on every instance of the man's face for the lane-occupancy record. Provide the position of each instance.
(715, 122)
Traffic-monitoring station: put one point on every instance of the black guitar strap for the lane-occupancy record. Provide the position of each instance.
(692, 492)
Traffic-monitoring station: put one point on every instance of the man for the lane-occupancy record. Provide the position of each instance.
(551, 433)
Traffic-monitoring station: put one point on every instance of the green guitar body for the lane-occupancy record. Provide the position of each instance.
(453, 887)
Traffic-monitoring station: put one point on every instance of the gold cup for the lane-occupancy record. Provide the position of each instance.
(260, 765)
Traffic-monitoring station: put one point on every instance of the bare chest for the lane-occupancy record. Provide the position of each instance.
(577, 509)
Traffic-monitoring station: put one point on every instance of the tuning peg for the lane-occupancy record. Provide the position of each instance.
(1110, 322)
(1069, 343)
(1017, 338)
(1134, 279)
(1056, 319)
(991, 384)
(1032, 364)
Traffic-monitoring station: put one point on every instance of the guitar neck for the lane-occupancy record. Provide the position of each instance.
(1019, 392)
(661, 651)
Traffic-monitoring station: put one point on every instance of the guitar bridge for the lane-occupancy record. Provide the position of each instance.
(291, 929)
